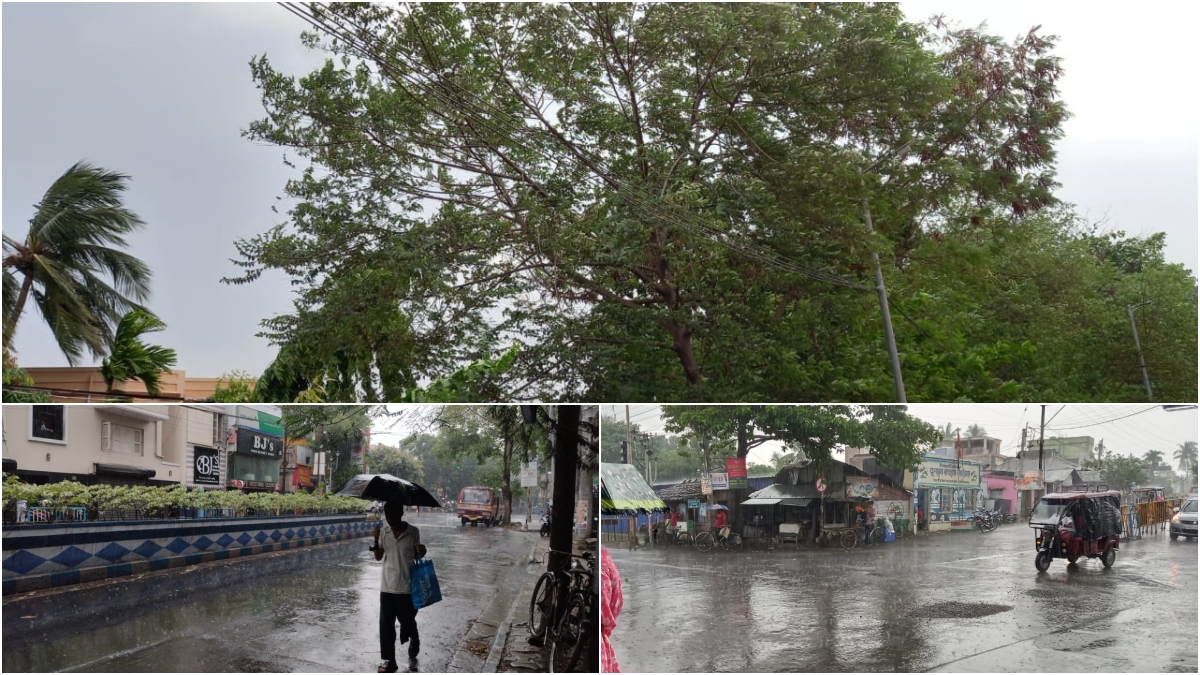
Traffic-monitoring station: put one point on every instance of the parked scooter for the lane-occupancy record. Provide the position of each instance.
(545, 529)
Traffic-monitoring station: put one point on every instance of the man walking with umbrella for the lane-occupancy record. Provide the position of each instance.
(397, 544)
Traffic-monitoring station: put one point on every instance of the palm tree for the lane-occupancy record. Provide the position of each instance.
(1153, 458)
(1185, 456)
(976, 431)
(72, 250)
(132, 359)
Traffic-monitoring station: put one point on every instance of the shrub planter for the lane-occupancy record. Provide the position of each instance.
(59, 554)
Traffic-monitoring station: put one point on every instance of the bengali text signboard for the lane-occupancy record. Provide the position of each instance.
(735, 468)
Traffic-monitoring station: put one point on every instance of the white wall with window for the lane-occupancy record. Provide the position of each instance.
(70, 442)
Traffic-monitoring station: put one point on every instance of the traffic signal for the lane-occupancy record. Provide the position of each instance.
(624, 452)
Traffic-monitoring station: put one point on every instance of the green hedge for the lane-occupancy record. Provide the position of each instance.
(149, 498)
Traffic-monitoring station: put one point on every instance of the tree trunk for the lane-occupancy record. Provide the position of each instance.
(566, 458)
(10, 327)
(507, 489)
(681, 338)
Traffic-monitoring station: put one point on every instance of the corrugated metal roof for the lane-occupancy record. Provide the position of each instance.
(623, 489)
(683, 490)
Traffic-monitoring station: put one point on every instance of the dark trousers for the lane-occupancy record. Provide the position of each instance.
(393, 607)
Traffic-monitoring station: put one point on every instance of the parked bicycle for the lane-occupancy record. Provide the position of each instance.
(560, 610)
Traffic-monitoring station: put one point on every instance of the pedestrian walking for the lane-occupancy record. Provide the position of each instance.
(611, 601)
(397, 544)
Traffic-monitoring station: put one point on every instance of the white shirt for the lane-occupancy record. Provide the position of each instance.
(398, 554)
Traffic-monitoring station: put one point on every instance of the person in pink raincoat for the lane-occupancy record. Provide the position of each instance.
(611, 600)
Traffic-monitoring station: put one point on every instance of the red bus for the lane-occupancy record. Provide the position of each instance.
(477, 504)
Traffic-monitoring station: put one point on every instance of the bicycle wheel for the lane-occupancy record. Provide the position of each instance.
(705, 542)
(734, 543)
(686, 539)
(541, 605)
(573, 634)
(877, 536)
(849, 539)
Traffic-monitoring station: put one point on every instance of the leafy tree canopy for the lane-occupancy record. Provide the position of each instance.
(673, 195)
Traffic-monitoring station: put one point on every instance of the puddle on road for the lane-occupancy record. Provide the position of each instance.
(960, 610)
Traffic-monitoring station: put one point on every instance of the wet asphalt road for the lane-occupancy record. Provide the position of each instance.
(309, 610)
(911, 606)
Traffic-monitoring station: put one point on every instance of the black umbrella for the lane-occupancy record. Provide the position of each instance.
(385, 487)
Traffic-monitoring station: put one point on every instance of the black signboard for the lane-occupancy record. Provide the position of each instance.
(259, 444)
(206, 467)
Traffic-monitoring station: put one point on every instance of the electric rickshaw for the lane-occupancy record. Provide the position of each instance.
(1076, 525)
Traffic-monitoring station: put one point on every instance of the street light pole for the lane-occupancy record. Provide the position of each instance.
(1138, 343)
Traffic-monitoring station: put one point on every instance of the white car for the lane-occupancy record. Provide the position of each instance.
(1183, 523)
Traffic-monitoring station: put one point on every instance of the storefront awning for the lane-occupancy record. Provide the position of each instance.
(121, 470)
(781, 502)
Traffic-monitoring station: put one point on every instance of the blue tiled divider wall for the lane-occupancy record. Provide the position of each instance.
(44, 556)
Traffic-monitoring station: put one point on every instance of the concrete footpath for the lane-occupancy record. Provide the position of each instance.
(490, 645)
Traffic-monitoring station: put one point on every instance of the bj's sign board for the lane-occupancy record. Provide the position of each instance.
(259, 444)
(206, 466)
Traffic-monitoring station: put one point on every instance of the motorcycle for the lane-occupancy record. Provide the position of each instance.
(545, 529)
(984, 521)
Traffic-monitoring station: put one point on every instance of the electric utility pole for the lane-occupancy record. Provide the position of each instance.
(888, 335)
(1042, 450)
(1138, 343)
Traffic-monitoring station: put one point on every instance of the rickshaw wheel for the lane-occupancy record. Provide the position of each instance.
(1109, 557)
(1042, 562)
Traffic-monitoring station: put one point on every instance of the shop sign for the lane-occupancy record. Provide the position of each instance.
(720, 481)
(206, 467)
(948, 473)
(259, 444)
(252, 484)
(529, 475)
(693, 503)
(861, 487)
(735, 467)
(706, 486)
(303, 475)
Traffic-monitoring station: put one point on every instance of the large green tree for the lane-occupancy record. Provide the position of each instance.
(894, 437)
(132, 359)
(1122, 472)
(72, 262)
(396, 461)
(671, 193)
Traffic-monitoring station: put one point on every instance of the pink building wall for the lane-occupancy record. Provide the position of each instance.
(999, 482)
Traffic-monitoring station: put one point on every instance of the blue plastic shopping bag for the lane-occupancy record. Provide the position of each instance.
(424, 584)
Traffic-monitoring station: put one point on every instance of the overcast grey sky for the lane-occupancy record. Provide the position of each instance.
(1127, 429)
(161, 92)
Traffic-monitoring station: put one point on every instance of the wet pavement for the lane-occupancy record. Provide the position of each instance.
(306, 610)
(961, 602)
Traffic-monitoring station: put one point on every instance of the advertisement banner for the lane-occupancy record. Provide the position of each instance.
(1030, 480)
(206, 466)
(357, 456)
(705, 486)
(529, 475)
(581, 515)
(720, 481)
(861, 487)
(259, 444)
(735, 468)
(271, 424)
(303, 476)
